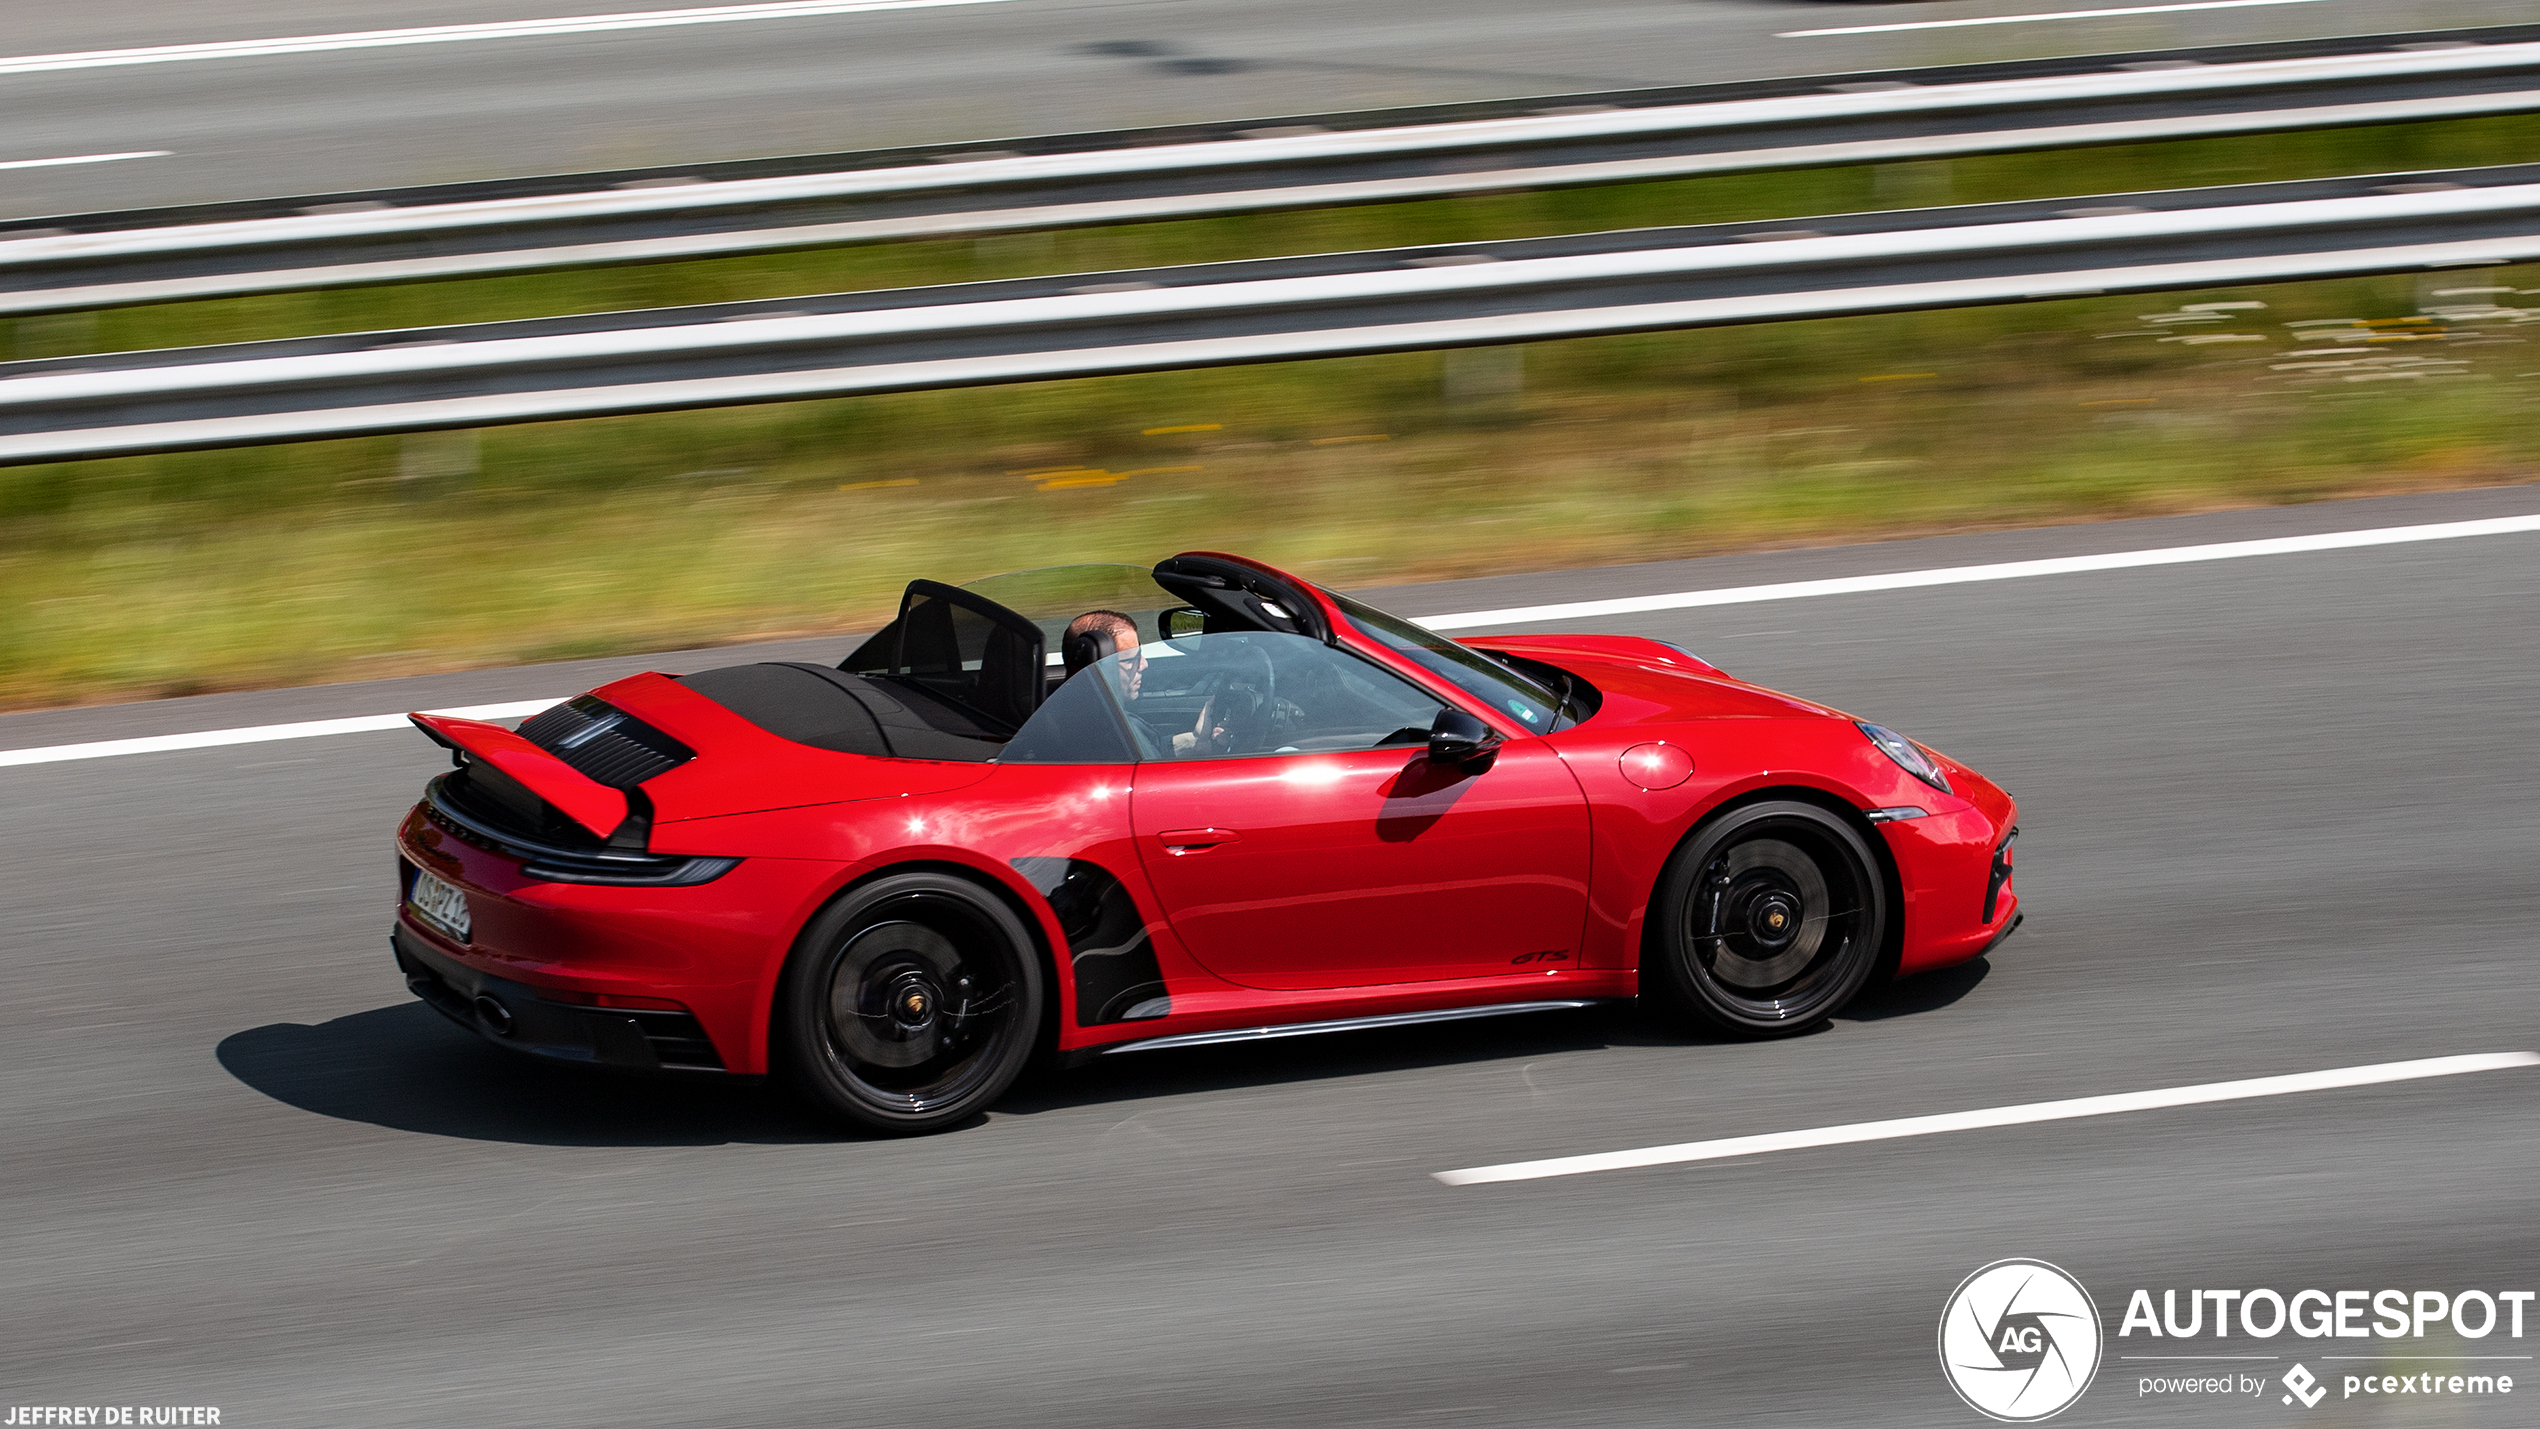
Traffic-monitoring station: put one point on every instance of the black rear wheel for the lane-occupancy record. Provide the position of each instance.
(910, 1004)
(1767, 921)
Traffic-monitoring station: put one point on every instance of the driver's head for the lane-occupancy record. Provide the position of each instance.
(1087, 636)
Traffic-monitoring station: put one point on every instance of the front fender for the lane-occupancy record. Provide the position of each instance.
(1634, 830)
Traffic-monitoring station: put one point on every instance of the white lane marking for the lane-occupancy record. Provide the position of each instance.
(84, 159)
(2032, 19)
(255, 734)
(2004, 571)
(2112, 1105)
(452, 34)
(1513, 615)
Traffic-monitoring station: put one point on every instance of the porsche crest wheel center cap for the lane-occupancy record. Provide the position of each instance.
(912, 1002)
(1773, 920)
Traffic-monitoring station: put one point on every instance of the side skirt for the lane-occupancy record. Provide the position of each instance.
(1345, 1024)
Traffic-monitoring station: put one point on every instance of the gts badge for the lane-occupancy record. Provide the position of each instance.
(1555, 956)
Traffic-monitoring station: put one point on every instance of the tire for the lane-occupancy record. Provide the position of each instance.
(909, 1005)
(1767, 920)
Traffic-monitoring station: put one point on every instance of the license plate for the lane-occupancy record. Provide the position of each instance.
(440, 905)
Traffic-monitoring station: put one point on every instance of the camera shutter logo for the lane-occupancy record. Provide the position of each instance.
(2019, 1340)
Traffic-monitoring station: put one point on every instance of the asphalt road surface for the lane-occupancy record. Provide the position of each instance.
(352, 119)
(2280, 817)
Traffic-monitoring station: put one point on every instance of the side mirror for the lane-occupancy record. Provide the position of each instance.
(1460, 739)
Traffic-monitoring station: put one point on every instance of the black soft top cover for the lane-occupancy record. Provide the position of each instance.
(953, 677)
(852, 714)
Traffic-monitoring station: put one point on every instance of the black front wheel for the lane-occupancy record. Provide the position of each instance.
(909, 1004)
(1767, 921)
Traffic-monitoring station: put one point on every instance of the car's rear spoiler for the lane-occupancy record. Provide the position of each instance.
(593, 805)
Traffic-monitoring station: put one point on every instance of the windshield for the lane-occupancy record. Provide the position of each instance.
(1469, 670)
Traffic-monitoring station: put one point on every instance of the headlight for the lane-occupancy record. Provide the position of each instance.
(1908, 755)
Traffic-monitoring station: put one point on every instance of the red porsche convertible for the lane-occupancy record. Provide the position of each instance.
(1096, 810)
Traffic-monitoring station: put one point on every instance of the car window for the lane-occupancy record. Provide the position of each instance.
(1081, 721)
(1257, 693)
(1232, 696)
(1469, 670)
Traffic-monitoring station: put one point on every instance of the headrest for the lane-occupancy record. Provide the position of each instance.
(1101, 638)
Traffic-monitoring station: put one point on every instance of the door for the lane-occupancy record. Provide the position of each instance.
(1298, 837)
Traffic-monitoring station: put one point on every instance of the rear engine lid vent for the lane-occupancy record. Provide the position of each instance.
(603, 743)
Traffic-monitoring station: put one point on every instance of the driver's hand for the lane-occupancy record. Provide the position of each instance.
(1208, 733)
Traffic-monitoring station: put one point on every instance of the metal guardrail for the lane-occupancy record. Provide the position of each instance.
(107, 260)
(1261, 311)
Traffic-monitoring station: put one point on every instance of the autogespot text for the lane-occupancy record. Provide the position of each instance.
(2327, 1314)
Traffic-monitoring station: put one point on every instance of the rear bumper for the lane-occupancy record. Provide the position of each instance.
(516, 1016)
(714, 949)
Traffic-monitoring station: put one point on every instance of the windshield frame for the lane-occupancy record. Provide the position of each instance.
(1449, 666)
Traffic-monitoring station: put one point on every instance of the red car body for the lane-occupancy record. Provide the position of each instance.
(1267, 892)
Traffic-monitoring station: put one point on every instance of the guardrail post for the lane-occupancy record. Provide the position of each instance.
(444, 458)
(1474, 379)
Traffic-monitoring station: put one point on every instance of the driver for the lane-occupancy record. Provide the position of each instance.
(1110, 634)
(1097, 633)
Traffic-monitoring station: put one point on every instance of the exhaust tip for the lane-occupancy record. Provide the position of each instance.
(496, 1017)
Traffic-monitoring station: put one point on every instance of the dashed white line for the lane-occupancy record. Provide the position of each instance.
(2033, 19)
(1469, 620)
(2120, 1102)
(84, 159)
(454, 34)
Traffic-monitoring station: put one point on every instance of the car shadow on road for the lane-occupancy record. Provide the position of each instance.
(1927, 992)
(406, 1069)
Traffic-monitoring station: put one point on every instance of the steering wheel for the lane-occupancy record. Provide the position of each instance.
(1235, 716)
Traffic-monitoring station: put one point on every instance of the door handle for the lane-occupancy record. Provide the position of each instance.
(1195, 840)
